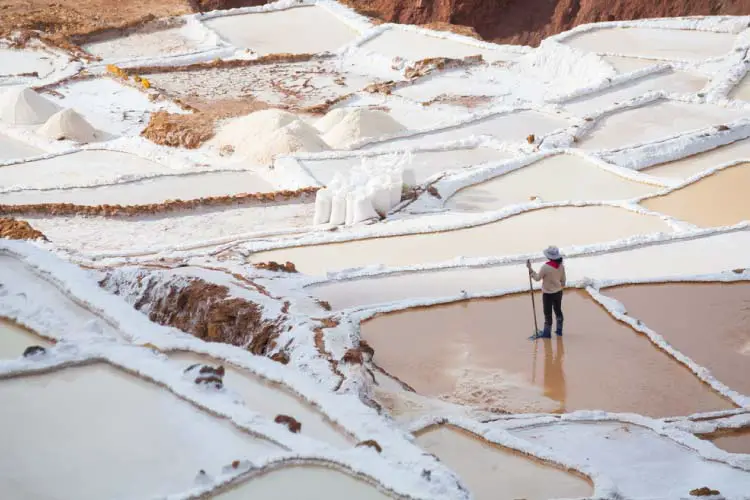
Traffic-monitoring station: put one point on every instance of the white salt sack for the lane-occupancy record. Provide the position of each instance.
(381, 198)
(322, 207)
(338, 208)
(409, 178)
(363, 209)
(349, 207)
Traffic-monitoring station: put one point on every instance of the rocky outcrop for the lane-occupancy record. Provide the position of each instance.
(14, 229)
(528, 22)
(195, 306)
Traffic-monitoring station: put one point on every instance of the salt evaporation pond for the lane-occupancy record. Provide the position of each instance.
(408, 43)
(657, 120)
(155, 190)
(624, 64)
(303, 483)
(95, 432)
(425, 164)
(271, 399)
(640, 462)
(670, 81)
(689, 166)
(654, 43)
(556, 178)
(11, 149)
(491, 471)
(742, 90)
(712, 254)
(153, 43)
(732, 441)
(507, 127)
(78, 169)
(478, 353)
(306, 30)
(23, 62)
(14, 339)
(721, 199)
(564, 225)
(708, 322)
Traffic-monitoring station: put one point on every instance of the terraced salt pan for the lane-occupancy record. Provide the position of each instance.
(156, 190)
(507, 127)
(627, 64)
(302, 30)
(477, 353)
(415, 46)
(425, 164)
(733, 441)
(303, 483)
(641, 463)
(114, 427)
(270, 400)
(680, 82)
(11, 149)
(15, 339)
(654, 43)
(655, 121)
(695, 164)
(78, 169)
(143, 44)
(18, 62)
(64, 317)
(556, 178)
(706, 322)
(564, 225)
(708, 255)
(146, 233)
(721, 199)
(110, 106)
(491, 471)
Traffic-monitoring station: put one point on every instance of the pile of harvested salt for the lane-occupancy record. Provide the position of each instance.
(264, 134)
(370, 191)
(69, 125)
(345, 127)
(23, 106)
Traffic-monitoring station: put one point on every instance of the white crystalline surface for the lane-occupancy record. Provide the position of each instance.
(561, 144)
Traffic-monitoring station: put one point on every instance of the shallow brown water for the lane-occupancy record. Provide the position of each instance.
(720, 199)
(477, 353)
(493, 472)
(733, 442)
(710, 323)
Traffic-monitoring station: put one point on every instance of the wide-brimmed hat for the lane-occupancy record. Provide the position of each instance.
(552, 253)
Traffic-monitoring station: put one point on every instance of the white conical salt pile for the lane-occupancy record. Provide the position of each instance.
(332, 118)
(69, 125)
(244, 133)
(362, 124)
(23, 106)
(295, 137)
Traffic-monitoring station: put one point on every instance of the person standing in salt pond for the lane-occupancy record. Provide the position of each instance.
(552, 276)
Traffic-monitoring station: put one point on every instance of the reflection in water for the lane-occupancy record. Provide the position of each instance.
(554, 375)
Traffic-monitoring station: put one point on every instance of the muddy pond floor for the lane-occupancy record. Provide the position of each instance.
(478, 353)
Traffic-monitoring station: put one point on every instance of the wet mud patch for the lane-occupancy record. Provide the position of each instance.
(491, 471)
(708, 322)
(477, 353)
(88, 402)
(717, 200)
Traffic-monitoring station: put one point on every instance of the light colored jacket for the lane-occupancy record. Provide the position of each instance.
(553, 280)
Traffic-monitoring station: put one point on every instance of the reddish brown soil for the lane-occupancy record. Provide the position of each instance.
(208, 5)
(529, 21)
(197, 307)
(18, 230)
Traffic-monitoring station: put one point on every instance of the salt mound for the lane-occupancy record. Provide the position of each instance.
(362, 124)
(332, 118)
(69, 125)
(23, 106)
(243, 133)
(297, 136)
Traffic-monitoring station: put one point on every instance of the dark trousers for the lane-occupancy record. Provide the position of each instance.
(552, 301)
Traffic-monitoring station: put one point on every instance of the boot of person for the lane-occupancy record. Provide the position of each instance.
(559, 329)
(546, 333)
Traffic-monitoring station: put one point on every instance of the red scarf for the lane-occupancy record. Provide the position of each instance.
(554, 264)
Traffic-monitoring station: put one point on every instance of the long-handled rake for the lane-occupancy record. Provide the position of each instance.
(533, 305)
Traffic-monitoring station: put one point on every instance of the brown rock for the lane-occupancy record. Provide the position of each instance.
(353, 356)
(292, 423)
(14, 229)
(705, 491)
(372, 444)
(531, 139)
